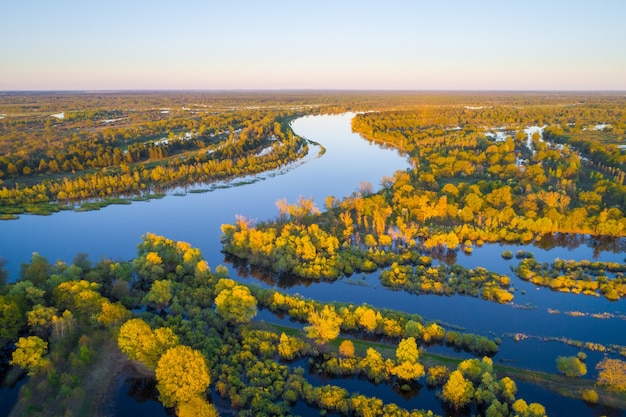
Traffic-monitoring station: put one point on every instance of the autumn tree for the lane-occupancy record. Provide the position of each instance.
(346, 348)
(374, 366)
(39, 318)
(458, 391)
(325, 325)
(29, 354)
(196, 407)
(182, 375)
(290, 347)
(137, 340)
(366, 317)
(112, 314)
(407, 355)
(612, 373)
(235, 303)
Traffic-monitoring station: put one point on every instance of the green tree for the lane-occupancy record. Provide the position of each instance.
(29, 354)
(37, 271)
(571, 366)
(160, 294)
(11, 320)
(4, 274)
(181, 375)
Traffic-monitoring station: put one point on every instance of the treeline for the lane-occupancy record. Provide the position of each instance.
(238, 154)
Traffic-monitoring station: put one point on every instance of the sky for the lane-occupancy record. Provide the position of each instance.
(320, 44)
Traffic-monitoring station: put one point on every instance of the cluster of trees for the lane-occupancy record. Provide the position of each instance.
(577, 277)
(196, 328)
(448, 280)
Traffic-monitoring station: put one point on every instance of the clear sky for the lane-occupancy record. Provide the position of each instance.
(315, 44)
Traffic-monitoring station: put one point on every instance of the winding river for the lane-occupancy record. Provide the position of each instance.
(114, 231)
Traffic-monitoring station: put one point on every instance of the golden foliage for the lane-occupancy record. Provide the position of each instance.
(182, 375)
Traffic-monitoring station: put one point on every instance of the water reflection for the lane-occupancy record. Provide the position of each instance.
(135, 395)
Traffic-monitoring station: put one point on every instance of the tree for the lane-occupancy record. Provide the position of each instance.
(181, 375)
(160, 294)
(37, 271)
(29, 354)
(374, 365)
(366, 318)
(113, 314)
(571, 366)
(612, 373)
(407, 350)
(290, 347)
(196, 407)
(325, 325)
(4, 274)
(236, 305)
(81, 297)
(346, 348)
(408, 367)
(457, 390)
(137, 340)
(10, 320)
(40, 318)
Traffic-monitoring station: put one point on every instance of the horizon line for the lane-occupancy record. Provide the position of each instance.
(311, 90)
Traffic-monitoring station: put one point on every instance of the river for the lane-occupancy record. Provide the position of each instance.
(114, 232)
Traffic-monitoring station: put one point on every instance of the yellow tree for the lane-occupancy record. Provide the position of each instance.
(612, 374)
(137, 340)
(325, 325)
(236, 305)
(182, 375)
(196, 407)
(408, 367)
(458, 391)
(113, 314)
(29, 354)
(366, 317)
(346, 348)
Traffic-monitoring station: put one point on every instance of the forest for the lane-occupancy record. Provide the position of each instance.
(477, 176)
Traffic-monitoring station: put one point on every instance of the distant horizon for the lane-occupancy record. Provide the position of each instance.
(295, 90)
(245, 45)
